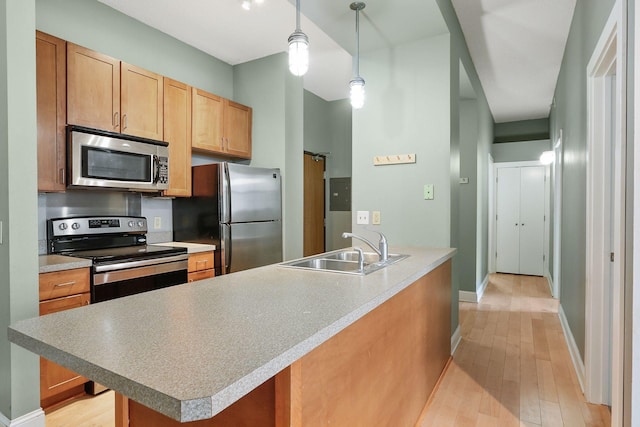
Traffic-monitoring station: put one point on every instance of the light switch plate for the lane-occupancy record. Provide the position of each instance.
(428, 191)
(375, 217)
(362, 217)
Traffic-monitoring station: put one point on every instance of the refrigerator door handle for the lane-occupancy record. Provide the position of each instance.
(225, 243)
(225, 191)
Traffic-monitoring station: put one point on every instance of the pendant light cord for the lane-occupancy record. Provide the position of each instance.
(297, 15)
(357, 42)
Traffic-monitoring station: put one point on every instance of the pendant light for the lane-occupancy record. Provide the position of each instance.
(356, 85)
(298, 48)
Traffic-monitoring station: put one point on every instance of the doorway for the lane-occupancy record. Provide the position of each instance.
(520, 219)
(605, 219)
(314, 203)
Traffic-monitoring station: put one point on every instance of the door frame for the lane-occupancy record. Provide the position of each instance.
(491, 259)
(557, 215)
(493, 199)
(608, 55)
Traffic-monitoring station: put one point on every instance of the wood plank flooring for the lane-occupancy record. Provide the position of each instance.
(512, 367)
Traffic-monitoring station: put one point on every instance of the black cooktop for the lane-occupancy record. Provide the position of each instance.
(129, 253)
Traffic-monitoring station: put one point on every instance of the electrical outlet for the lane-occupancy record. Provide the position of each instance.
(157, 222)
(428, 191)
(362, 217)
(375, 217)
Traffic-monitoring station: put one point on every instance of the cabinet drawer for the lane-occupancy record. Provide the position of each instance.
(64, 303)
(199, 275)
(63, 283)
(200, 261)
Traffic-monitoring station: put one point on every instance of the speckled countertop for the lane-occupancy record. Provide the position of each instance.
(192, 248)
(51, 263)
(190, 351)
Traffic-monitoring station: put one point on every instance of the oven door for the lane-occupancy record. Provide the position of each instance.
(112, 281)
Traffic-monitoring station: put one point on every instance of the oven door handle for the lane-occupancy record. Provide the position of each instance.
(135, 273)
(141, 263)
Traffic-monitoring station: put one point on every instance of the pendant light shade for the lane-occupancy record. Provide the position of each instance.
(298, 48)
(356, 86)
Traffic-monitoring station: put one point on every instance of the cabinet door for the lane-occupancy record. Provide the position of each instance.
(207, 122)
(141, 102)
(93, 89)
(177, 132)
(51, 97)
(237, 129)
(54, 378)
(200, 261)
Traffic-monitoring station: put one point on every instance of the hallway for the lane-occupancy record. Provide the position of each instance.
(512, 367)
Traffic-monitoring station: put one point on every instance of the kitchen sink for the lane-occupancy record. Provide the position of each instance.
(344, 261)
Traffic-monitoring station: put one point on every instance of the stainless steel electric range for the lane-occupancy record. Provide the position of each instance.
(123, 263)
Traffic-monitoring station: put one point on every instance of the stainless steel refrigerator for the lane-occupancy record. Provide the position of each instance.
(236, 207)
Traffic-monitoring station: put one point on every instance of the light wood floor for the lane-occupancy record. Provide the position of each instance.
(512, 367)
(90, 411)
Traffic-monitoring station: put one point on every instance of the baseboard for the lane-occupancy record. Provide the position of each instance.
(32, 419)
(547, 276)
(483, 287)
(578, 364)
(455, 339)
(467, 296)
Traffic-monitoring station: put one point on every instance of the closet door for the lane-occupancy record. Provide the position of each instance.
(508, 221)
(532, 220)
(520, 220)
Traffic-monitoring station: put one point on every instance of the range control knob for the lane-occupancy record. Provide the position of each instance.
(140, 223)
(63, 226)
(75, 225)
(130, 224)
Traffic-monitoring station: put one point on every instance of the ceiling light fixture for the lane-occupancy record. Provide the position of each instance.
(298, 48)
(547, 157)
(356, 85)
(246, 4)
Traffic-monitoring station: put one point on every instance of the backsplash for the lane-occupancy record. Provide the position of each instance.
(91, 202)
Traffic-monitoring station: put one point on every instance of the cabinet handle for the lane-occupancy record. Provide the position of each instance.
(59, 285)
(124, 121)
(116, 119)
(62, 176)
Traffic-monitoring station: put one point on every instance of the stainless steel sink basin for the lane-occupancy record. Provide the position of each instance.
(343, 261)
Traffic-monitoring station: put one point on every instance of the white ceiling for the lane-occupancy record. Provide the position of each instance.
(516, 45)
(517, 48)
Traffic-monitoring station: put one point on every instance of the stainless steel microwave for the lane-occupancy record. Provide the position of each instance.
(104, 159)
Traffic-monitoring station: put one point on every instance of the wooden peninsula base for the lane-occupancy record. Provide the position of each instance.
(380, 371)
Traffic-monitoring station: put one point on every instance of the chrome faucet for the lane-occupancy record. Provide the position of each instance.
(383, 248)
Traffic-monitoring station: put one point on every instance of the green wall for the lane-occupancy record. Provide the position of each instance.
(19, 373)
(522, 130)
(277, 101)
(327, 129)
(96, 26)
(521, 151)
(570, 115)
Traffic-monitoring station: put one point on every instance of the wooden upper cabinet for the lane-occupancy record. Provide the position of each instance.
(207, 121)
(51, 98)
(141, 98)
(220, 126)
(177, 132)
(237, 129)
(93, 89)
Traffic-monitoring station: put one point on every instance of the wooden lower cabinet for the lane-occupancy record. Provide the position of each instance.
(380, 371)
(200, 266)
(59, 291)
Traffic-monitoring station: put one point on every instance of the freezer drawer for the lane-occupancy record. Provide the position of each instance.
(250, 245)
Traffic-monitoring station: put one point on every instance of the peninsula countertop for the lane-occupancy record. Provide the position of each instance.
(190, 351)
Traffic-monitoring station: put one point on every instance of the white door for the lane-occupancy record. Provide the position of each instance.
(508, 221)
(532, 220)
(520, 220)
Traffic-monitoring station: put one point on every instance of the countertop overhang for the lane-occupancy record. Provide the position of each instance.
(190, 351)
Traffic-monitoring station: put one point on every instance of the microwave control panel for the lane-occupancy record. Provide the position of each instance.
(163, 170)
